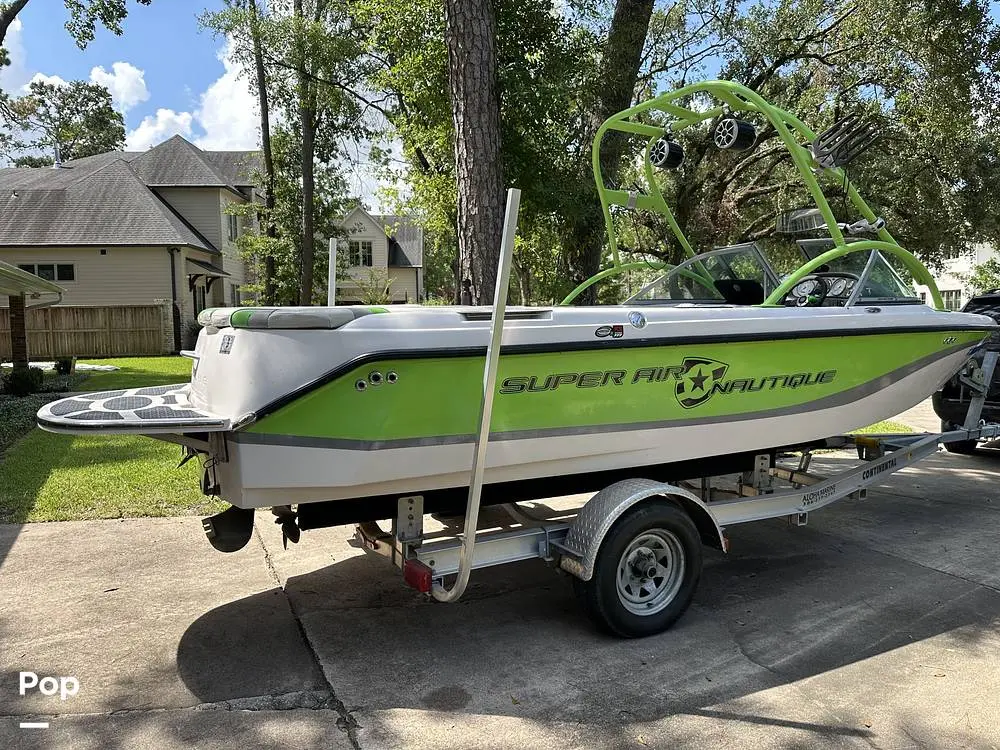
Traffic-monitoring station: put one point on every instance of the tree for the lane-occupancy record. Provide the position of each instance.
(985, 277)
(78, 119)
(263, 103)
(31, 160)
(307, 60)
(614, 91)
(470, 35)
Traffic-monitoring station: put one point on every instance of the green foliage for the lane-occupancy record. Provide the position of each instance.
(928, 74)
(985, 277)
(21, 381)
(78, 117)
(306, 58)
(31, 160)
(374, 286)
(84, 15)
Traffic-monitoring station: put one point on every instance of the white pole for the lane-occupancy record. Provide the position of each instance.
(486, 407)
(331, 275)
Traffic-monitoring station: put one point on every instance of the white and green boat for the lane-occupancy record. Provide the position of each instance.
(334, 413)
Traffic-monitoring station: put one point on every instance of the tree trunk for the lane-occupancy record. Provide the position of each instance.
(616, 80)
(307, 121)
(471, 37)
(8, 12)
(18, 333)
(265, 146)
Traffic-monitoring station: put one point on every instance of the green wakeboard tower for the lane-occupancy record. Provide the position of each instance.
(822, 155)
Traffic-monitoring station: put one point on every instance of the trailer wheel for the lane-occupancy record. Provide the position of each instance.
(645, 573)
(964, 447)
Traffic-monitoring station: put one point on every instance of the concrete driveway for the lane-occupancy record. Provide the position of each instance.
(877, 625)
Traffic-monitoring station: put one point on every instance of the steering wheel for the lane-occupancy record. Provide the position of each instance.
(813, 289)
(810, 291)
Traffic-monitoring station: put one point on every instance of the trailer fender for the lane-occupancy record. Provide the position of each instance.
(602, 510)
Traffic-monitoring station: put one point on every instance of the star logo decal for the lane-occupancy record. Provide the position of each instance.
(696, 383)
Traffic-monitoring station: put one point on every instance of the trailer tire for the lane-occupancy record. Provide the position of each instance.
(963, 447)
(625, 595)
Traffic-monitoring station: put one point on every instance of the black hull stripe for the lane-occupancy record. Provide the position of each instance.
(832, 401)
(595, 345)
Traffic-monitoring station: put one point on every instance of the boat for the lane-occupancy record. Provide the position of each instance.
(330, 415)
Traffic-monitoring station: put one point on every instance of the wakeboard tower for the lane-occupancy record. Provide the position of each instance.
(330, 415)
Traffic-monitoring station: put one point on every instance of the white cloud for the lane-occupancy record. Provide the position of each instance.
(126, 83)
(15, 75)
(51, 80)
(156, 129)
(228, 111)
(226, 115)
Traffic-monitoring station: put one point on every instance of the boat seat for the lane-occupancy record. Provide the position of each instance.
(741, 291)
(283, 317)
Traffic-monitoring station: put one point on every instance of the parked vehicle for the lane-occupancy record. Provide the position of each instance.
(952, 401)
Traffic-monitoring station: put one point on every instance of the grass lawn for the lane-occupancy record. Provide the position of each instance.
(880, 428)
(47, 477)
(138, 372)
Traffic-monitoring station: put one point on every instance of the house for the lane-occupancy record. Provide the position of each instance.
(952, 280)
(133, 229)
(389, 248)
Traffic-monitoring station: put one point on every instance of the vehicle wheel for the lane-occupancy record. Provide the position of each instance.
(734, 135)
(964, 447)
(666, 154)
(646, 571)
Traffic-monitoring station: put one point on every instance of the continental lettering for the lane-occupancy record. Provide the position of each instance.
(874, 471)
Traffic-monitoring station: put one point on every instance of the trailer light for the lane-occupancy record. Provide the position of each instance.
(418, 575)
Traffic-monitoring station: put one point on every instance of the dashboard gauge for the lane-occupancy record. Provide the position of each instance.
(805, 288)
(849, 286)
(838, 287)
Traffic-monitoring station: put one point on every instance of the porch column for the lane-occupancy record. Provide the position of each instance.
(18, 333)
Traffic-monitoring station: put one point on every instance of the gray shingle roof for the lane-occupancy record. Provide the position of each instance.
(109, 206)
(176, 162)
(406, 240)
(106, 199)
(239, 167)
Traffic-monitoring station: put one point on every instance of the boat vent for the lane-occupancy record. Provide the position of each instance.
(509, 315)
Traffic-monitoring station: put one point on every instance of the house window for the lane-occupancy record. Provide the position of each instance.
(923, 297)
(51, 271)
(234, 226)
(198, 295)
(360, 253)
(952, 299)
(234, 295)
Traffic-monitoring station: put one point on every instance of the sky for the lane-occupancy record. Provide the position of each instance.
(165, 74)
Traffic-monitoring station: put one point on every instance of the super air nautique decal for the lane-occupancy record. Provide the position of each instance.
(695, 380)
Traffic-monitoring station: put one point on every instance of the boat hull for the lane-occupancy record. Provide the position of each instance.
(381, 405)
(561, 414)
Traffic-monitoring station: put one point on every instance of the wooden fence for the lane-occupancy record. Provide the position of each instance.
(66, 331)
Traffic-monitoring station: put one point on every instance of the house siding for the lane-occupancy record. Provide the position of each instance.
(232, 262)
(200, 209)
(124, 276)
(404, 285)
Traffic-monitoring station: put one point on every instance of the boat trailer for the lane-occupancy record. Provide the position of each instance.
(634, 548)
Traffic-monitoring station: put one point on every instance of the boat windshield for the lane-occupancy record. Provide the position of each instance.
(741, 275)
(868, 276)
(736, 275)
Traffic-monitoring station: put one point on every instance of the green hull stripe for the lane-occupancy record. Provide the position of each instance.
(826, 402)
